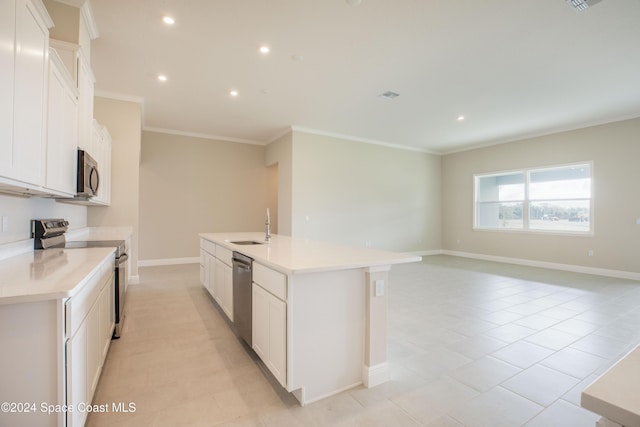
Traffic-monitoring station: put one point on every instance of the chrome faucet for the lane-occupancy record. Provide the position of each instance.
(267, 237)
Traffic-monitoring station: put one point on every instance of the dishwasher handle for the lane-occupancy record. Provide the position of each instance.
(242, 261)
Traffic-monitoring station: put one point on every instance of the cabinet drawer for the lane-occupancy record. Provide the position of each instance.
(271, 280)
(224, 255)
(208, 246)
(78, 306)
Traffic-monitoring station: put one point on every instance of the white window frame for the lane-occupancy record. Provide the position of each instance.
(526, 172)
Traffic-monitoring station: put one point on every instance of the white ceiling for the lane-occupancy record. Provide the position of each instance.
(513, 68)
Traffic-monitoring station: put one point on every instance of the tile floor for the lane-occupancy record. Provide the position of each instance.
(471, 343)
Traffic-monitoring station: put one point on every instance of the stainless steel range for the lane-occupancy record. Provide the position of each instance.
(50, 233)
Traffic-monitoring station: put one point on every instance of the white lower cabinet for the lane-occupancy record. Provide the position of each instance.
(208, 273)
(90, 325)
(269, 336)
(223, 287)
(217, 275)
(77, 368)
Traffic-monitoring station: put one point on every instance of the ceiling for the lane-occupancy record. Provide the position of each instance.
(513, 69)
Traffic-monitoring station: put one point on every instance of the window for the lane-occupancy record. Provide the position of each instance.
(549, 199)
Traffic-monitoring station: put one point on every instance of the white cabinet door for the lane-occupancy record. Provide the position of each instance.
(77, 391)
(94, 349)
(25, 161)
(218, 282)
(210, 273)
(7, 39)
(223, 287)
(62, 129)
(107, 317)
(269, 331)
(278, 339)
(260, 321)
(86, 83)
(227, 298)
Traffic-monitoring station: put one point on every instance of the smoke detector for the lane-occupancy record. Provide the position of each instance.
(581, 5)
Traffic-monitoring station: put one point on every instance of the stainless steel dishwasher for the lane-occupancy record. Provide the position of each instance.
(242, 278)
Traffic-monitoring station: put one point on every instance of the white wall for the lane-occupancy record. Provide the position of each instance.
(19, 212)
(363, 195)
(615, 151)
(202, 186)
(279, 153)
(123, 119)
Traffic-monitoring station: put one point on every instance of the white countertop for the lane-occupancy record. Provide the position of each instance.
(100, 233)
(48, 274)
(616, 394)
(295, 256)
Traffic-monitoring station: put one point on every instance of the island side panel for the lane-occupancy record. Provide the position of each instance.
(376, 368)
(30, 361)
(325, 332)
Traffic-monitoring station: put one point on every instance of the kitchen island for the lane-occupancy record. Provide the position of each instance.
(319, 310)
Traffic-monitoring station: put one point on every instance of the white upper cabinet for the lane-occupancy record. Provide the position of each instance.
(7, 36)
(86, 82)
(62, 129)
(100, 150)
(24, 156)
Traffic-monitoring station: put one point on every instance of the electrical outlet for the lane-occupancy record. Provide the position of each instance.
(590, 253)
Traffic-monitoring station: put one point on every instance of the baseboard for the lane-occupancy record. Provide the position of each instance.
(168, 261)
(375, 375)
(426, 253)
(619, 274)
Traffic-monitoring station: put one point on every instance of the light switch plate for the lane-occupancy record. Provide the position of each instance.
(379, 288)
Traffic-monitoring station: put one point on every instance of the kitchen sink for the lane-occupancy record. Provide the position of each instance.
(247, 242)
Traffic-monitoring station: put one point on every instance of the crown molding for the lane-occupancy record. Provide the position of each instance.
(200, 135)
(363, 140)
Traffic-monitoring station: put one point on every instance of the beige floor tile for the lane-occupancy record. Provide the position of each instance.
(485, 373)
(564, 414)
(574, 362)
(541, 385)
(522, 354)
(458, 331)
(432, 401)
(552, 339)
(497, 408)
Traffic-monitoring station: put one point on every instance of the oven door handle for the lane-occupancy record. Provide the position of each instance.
(123, 258)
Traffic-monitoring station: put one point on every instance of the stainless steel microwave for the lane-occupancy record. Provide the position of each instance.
(88, 176)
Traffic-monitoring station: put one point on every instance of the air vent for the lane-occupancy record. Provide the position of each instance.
(581, 5)
(389, 95)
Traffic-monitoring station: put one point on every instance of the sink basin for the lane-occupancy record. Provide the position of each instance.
(246, 242)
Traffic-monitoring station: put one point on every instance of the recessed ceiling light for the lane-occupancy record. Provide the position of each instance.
(162, 77)
(460, 118)
(581, 5)
(264, 49)
(233, 93)
(168, 20)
